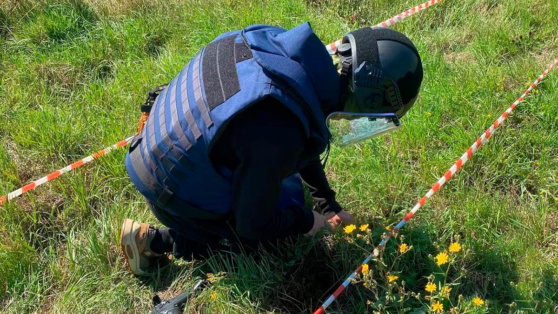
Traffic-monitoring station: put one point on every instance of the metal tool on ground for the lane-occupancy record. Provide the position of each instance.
(176, 304)
(460, 162)
(332, 48)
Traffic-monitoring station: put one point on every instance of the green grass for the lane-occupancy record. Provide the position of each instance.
(73, 73)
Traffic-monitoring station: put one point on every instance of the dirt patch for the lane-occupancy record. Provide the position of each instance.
(47, 223)
(551, 222)
(5, 25)
(510, 84)
(155, 44)
(487, 7)
(459, 57)
(113, 7)
(546, 55)
(307, 281)
(514, 193)
(60, 75)
(168, 294)
(26, 168)
(11, 150)
(25, 172)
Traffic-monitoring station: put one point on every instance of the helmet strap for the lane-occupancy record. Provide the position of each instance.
(346, 61)
(392, 94)
(344, 79)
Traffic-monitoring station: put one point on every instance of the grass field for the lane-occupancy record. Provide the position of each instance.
(72, 76)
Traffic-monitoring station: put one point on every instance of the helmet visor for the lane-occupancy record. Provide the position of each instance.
(350, 127)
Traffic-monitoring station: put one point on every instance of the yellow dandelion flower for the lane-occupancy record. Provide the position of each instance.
(403, 248)
(213, 296)
(428, 114)
(364, 227)
(210, 277)
(478, 301)
(392, 278)
(437, 307)
(365, 268)
(446, 292)
(349, 229)
(430, 287)
(388, 228)
(455, 247)
(441, 259)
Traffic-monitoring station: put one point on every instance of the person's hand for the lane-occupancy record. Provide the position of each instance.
(334, 220)
(319, 223)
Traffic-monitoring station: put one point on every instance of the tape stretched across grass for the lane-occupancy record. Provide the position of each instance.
(331, 49)
(460, 162)
(68, 168)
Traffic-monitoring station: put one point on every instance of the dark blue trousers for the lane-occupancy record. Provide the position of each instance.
(196, 238)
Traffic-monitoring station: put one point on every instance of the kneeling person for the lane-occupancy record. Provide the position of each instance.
(229, 141)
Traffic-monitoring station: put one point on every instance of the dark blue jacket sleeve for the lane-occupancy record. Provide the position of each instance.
(315, 178)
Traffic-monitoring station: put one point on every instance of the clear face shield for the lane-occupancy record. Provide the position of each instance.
(350, 127)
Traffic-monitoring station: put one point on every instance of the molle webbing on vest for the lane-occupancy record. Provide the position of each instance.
(186, 105)
(178, 131)
(167, 142)
(165, 197)
(202, 107)
(171, 166)
(150, 144)
(220, 77)
(163, 123)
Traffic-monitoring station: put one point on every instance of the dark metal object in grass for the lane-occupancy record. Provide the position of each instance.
(176, 304)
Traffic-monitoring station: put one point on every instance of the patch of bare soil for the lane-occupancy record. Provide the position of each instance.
(545, 56)
(486, 7)
(459, 57)
(552, 222)
(114, 7)
(22, 164)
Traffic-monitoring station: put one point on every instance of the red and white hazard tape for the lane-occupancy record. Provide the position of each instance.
(332, 48)
(68, 168)
(460, 162)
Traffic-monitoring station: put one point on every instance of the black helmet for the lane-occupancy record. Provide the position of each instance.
(381, 71)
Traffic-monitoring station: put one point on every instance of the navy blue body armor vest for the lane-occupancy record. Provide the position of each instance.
(169, 159)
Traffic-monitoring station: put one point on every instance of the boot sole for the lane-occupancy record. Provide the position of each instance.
(128, 246)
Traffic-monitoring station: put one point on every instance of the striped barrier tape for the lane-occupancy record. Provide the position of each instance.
(332, 48)
(460, 162)
(68, 168)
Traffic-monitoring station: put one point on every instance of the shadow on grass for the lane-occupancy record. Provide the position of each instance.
(299, 274)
